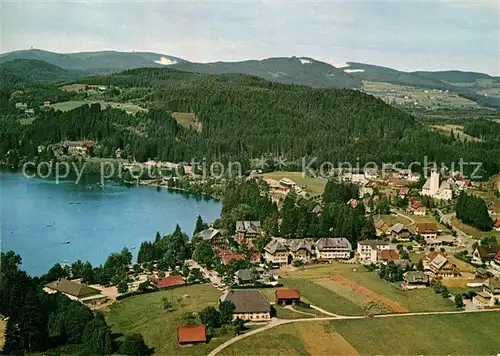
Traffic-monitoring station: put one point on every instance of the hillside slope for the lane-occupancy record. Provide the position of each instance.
(303, 71)
(32, 71)
(93, 62)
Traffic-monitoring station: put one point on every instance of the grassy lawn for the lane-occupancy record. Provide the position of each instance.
(463, 334)
(144, 314)
(283, 313)
(459, 334)
(316, 286)
(302, 338)
(314, 186)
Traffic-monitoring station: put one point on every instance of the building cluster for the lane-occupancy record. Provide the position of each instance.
(283, 186)
(284, 251)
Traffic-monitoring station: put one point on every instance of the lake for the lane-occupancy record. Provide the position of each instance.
(48, 223)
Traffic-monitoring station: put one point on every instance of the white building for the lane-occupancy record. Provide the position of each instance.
(333, 248)
(436, 189)
(368, 250)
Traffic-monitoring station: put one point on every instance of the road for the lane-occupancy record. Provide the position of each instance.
(211, 275)
(276, 322)
(465, 241)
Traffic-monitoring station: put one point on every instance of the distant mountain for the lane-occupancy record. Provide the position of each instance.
(101, 62)
(286, 70)
(33, 71)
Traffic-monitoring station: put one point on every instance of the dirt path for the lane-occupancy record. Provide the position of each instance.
(289, 307)
(370, 294)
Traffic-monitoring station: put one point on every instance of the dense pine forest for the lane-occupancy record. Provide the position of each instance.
(241, 118)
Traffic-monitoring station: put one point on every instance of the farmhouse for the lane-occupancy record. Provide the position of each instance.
(381, 228)
(75, 291)
(192, 334)
(249, 304)
(490, 295)
(415, 279)
(485, 254)
(400, 232)
(427, 230)
(247, 230)
(333, 248)
(287, 296)
(438, 264)
(368, 250)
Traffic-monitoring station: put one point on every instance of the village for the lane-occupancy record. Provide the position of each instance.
(419, 260)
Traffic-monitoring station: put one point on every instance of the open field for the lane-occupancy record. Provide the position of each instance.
(188, 120)
(73, 104)
(144, 314)
(314, 186)
(417, 97)
(317, 294)
(457, 131)
(392, 219)
(464, 334)
(317, 288)
(457, 334)
(303, 338)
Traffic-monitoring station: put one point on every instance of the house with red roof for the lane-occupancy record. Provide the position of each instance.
(170, 281)
(192, 334)
(385, 256)
(287, 296)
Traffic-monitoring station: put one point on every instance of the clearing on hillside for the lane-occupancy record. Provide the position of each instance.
(188, 120)
(457, 131)
(129, 108)
(3, 325)
(314, 186)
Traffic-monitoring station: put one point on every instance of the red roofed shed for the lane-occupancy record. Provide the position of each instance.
(192, 334)
(170, 281)
(287, 296)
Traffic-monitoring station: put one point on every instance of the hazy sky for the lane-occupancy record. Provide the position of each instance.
(407, 35)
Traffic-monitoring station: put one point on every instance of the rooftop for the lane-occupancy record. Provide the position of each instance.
(427, 228)
(333, 242)
(73, 288)
(250, 227)
(191, 333)
(287, 294)
(247, 301)
(170, 281)
(388, 255)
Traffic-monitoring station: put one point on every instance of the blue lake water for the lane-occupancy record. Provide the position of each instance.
(38, 217)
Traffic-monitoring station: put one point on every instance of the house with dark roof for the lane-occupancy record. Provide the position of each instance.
(301, 249)
(192, 334)
(74, 290)
(170, 281)
(329, 248)
(249, 304)
(485, 254)
(427, 230)
(214, 236)
(400, 232)
(414, 280)
(247, 230)
(277, 253)
(287, 296)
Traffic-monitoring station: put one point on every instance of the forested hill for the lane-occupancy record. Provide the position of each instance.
(243, 117)
(32, 71)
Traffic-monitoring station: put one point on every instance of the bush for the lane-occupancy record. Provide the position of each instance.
(134, 345)
(297, 263)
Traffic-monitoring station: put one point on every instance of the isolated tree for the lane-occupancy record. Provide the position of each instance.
(210, 317)
(459, 303)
